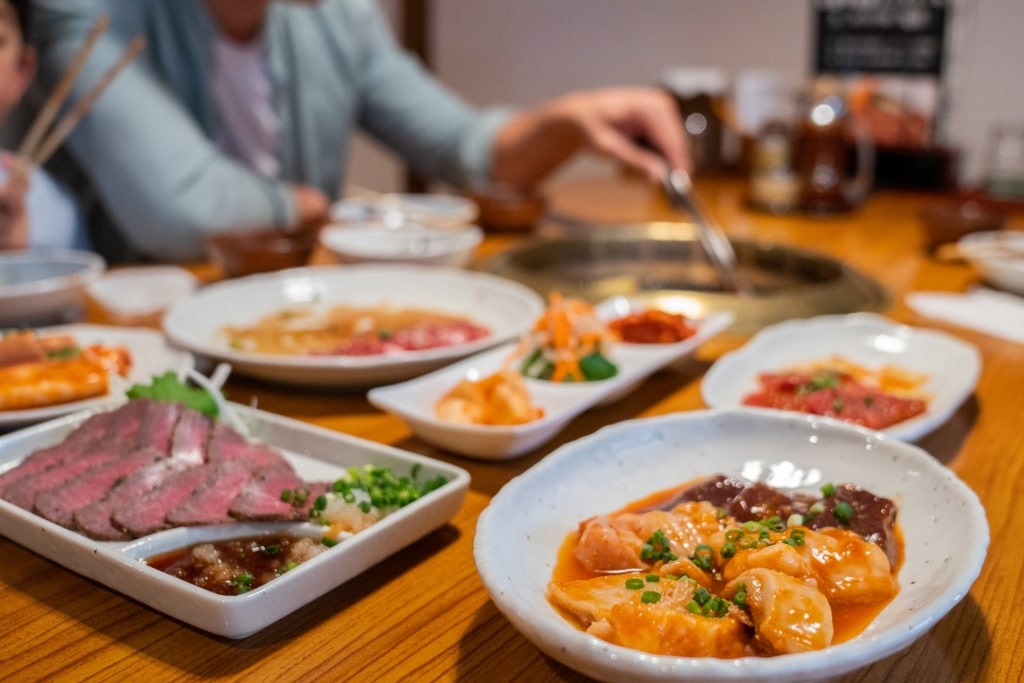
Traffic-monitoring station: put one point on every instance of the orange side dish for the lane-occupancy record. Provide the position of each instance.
(36, 371)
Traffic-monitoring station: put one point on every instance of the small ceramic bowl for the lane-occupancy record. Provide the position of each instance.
(948, 222)
(412, 244)
(998, 256)
(45, 286)
(400, 210)
(244, 252)
(504, 209)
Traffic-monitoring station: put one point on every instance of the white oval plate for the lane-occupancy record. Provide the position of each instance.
(413, 401)
(505, 307)
(519, 534)
(952, 365)
(151, 355)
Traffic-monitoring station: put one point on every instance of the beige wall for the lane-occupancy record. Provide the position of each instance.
(522, 51)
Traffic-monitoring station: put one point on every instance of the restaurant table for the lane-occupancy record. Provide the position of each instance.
(424, 615)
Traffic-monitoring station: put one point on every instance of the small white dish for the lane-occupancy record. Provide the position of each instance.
(420, 245)
(151, 355)
(140, 295)
(952, 366)
(45, 286)
(317, 454)
(519, 534)
(414, 400)
(396, 210)
(998, 256)
(506, 308)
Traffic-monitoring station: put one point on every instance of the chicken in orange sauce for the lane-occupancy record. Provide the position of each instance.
(729, 569)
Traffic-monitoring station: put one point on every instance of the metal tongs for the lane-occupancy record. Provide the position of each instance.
(716, 244)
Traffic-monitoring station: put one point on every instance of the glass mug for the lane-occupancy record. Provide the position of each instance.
(834, 164)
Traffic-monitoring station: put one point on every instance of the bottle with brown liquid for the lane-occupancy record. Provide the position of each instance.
(834, 165)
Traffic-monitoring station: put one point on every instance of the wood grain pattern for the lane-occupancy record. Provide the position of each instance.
(423, 614)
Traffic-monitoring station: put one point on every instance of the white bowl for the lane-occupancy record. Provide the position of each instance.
(998, 256)
(519, 535)
(412, 244)
(395, 210)
(45, 285)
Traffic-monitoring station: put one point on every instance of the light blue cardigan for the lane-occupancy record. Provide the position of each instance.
(147, 145)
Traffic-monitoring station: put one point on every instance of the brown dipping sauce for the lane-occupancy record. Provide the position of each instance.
(238, 565)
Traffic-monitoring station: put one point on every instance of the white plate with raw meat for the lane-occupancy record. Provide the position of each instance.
(152, 477)
(149, 355)
(935, 370)
(359, 325)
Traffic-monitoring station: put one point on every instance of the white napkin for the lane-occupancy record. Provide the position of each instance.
(996, 313)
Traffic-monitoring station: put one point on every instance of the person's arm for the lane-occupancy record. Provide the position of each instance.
(160, 177)
(638, 126)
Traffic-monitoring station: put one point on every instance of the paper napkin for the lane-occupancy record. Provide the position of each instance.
(996, 313)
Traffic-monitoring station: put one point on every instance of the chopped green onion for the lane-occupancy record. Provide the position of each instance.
(828, 490)
(703, 556)
(843, 512)
(652, 578)
(650, 597)
(634, 584)
(795, 519)
(657, 548)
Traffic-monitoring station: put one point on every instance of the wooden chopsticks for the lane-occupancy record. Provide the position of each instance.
(38, 145)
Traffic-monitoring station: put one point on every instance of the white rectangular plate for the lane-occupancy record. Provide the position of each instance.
(414, 400)
(315, 453)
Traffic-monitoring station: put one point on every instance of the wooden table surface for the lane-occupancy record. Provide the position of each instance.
(423, 614)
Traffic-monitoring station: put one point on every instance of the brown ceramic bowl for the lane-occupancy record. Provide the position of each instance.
(244, 252)
(504, 209)
(949, 221)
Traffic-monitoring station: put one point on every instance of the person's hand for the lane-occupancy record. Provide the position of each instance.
(638, 126)
(13, 214)
(311, 206)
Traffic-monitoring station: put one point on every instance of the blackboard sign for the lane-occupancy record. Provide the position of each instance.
(880, 36)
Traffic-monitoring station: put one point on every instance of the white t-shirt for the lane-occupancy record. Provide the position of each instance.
(243, 94)
(54, 219)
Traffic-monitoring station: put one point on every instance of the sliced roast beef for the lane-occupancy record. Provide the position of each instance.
(94, 520)
(227, 445)
(275, 494)
(148, 513)
(190, 438)
(73, 445)
(125, 422)
(59, 504)
(23, 492)
(158, 425)
(209, 504)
